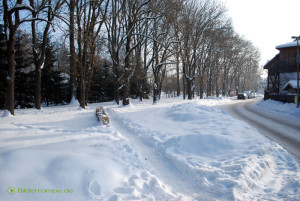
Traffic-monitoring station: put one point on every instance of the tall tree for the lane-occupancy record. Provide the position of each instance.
(197, 18)
(124, 18)
(72, 92)
(90, 16)
(162, 40)
(45, 11)
(12, 21)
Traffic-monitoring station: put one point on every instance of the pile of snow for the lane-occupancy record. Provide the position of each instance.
(6, 113)
(173, 150)
(215, 156)
(292, 83)
(280, 108)
(60, 148)
(74, 102)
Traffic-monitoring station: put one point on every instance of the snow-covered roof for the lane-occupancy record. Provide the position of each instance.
(292, 44)
(292, 83)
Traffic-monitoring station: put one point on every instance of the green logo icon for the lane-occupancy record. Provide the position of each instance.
(11, 190)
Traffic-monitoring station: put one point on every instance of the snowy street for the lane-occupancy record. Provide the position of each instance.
(178, 100)
(282, 129)
(173, 150)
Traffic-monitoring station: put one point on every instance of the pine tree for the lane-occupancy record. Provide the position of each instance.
(54, 90)
(102, 87)
(24, 83)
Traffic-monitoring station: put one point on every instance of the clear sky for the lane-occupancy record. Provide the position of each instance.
(266, 23)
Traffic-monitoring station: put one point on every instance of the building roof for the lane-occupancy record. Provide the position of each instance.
(271, 62)
(292, 44)
(291, 83)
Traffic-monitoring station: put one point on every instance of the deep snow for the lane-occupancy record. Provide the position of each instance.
(173, 150)
(279, 108)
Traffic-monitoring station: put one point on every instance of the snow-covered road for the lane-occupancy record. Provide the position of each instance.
(285, 130)
(173, 150)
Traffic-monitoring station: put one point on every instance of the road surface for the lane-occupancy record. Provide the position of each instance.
(283, 130)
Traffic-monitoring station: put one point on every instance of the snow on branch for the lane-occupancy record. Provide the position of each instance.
(121, 87)
(21, 7)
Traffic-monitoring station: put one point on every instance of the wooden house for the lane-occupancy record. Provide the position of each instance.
(282, 68)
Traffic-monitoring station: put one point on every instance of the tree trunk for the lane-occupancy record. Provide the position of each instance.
(126, 93)
(39, 58)
(209, 84)
(224, 82)
(237, 83)
(217, 87)
(189, 89)
(38, 86)
(155, 93)
(10, 93)
(72, 92)
(184, 87)
(116, 79)
(126, 73)
(201, 91)
(38, 73)
(82, 92)
(177, 74)
(184, 80)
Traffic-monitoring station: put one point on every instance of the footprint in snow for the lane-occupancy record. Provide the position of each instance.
(94, 189)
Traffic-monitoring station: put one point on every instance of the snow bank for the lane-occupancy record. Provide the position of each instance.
(286, 109)
(6, 113)
(221, 157)
(62, 148)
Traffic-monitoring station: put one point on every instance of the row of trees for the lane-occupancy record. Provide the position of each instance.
(142, 40)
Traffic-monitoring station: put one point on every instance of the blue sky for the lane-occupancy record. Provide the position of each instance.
(266, 23)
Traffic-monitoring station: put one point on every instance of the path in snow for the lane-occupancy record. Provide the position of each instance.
(283, 130)
(205, 153)
(65, 147)
(155, 159)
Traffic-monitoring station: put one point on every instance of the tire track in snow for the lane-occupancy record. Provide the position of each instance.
(275, 129)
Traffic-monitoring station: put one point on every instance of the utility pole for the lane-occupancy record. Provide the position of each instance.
(297, 61)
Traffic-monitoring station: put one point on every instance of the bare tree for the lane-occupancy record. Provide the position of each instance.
(197, 20)
(163, 39)
(73, 65)
(45, 11)
(12, 20)
(125, 17)
(90, 16)
(114, 29)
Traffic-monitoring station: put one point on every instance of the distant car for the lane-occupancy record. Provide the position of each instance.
(242, 96)
(248, 93)
(253, 95)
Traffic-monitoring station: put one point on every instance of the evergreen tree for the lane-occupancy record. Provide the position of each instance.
(135, 84)
(102, 87)
(24, 92)
(54, 87)
(24, 82)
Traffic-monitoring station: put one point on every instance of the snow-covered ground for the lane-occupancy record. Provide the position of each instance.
(287, 109)
(173, 150)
